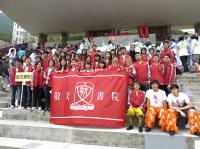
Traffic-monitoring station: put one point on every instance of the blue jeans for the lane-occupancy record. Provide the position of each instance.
(15, 89)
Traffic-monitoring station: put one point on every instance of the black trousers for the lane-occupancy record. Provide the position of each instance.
(37, 97)
(184, 60)
(144, 86)
(47, 96)
(166, 89)
(27, 96)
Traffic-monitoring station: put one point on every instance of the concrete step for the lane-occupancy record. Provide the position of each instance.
(17, 114)
(184, 87)
(190, 74)
(189, 81)
(13, 143)
(88, 136)
(4, 104)
(193, 85)
(4, 94)
(197, 104)
(77, 135)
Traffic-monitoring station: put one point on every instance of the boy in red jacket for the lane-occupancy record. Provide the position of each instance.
(142, 71)
(168, 51)
(137, 106)
(157, 70)
(38, 85)
(169, 74)
(15, 86)
(115, 64)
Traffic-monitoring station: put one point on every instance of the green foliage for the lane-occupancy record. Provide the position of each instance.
(176, 32)
(6, 27)
(5, 36)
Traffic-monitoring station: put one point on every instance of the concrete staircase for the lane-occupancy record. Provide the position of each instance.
(4, 99)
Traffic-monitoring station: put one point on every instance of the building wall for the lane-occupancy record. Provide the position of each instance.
(20, 35)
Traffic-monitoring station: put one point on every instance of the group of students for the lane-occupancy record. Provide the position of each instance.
(172, 112)
(156, 70)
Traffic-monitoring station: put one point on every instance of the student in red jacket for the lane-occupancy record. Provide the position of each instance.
(136, 106)
(168, 51)
(97, 58)
(63, 65)
(74, 65)
(142, 71)
(145, 57)
(27, 92)
(102, 66)
(38, 85)
(88, 68)
(131, 74)
(157, 70)
(80, 63)
(123, 57)
(48, 84)
(115, 64)
(169, 74)
(108, 59)
(15, 86)
(92, 54)
(68, 60)
(45, 60)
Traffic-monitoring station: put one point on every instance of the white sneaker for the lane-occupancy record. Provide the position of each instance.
(12, 107)
(33, 108)
(28, 108)
(21, 108)
(187, 126)
(39, 109)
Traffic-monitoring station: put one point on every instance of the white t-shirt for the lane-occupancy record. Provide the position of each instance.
(195, 46)
(182, 48)
(178, 101)
(156, 99)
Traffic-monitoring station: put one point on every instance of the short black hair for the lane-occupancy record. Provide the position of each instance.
(155, 54)
(136, 82)
(167, 55)
(46, 52)
(138, 53)
(155, 82)
(174, 86)
(19, 60)
(165, 42)
(180, 38)
(123, 48)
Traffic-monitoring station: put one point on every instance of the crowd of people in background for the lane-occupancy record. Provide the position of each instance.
(151, 69)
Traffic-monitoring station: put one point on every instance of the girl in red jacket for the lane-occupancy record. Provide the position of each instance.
(38, 79)
(102, 66)
(48, 83)
(74, 65)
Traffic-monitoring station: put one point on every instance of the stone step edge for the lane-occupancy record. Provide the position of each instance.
(42, 124)
(13, 143)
